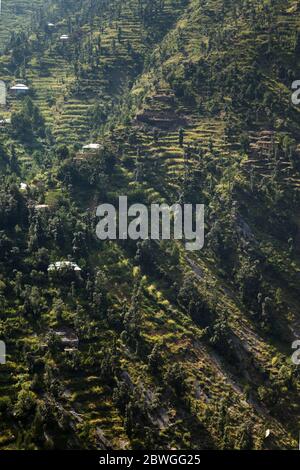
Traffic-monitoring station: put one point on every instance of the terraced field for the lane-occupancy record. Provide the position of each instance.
(69, 112)
(16, 15)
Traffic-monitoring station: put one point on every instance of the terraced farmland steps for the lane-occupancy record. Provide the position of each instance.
(15, 15)
(262, 162)
(86, 399)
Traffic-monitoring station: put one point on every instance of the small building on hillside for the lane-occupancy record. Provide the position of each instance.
(70, 350)
(88, 150)
(41, 207)
(68, 338)
(90, 147)
(64, 37)
(23, 186)
(19, 89)
(5, 122)
(64, 265)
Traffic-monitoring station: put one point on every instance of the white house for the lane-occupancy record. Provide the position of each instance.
(91, 147)
(40, 207)
(4, 122)
(61, 265)
(64, 37)
(268, 433)
(19, 89)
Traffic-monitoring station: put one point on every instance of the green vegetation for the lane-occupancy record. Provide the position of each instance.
(150, 346)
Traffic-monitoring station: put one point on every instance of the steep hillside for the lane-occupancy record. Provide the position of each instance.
(151, 346)
(75, 82)
(16, 15)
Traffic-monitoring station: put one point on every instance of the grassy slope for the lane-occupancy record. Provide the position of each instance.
(16, 16)
(168, 156)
